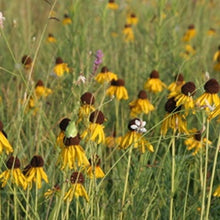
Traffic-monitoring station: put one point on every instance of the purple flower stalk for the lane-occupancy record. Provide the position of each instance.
(97, 61)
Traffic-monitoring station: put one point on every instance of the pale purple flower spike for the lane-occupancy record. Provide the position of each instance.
(97, 61)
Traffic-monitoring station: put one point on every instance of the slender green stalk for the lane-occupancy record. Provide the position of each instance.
(15, 210)
(205, 174)
(172, 177)
(186, 196)
(212, 177)
(126, 181)
(36, 200)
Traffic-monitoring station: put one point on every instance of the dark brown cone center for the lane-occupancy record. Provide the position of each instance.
(154, 74)
(198, 136)
(119, 82)
(13, 162)
(72, 140)
(26, 60)
(142, 94)
(59, 60)
(212, 86)
(39, 83)
(77, 177)
(188, 89)
(132, 122)
(170, 106)
(104, 69)
(97, 117)
(64, 123)
(88, 98)
(37, 161)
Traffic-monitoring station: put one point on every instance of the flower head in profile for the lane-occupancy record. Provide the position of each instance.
(141, 105)
(190, 33)
(60, 67)
(4, 143)
(188, 52)
(173, 118)
(175, 87)
(51, 38)
(128, 33)
(154, 84)
(135, 136)
(117, 89)
(195, 141)
(211, 32)
(41, 90)
(94, 169)
(105, 76)
(34, 171)
(112, 5)
(66, 19)
(210, 96)
(77, 189)
(217, 192)
(87, 106)
(94, 131)
(2, 19)
(215, 113)
(72, 154)
(13, 173)
(112, 140)
(185, 98)
(50, 192)
(132, 19)
(27, 62)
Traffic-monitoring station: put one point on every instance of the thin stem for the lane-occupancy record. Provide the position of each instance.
(172, 176)
(205, 174)
(126, 181)
(36, 200)
(15, 204)
(187, 189)
(212, 177)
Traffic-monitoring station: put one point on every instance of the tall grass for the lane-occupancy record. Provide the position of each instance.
(170, 183)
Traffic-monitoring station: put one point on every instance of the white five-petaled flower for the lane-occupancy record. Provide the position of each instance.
(2, 18)
(139, 126)
(81, 79)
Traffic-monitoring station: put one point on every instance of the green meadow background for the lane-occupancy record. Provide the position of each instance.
(136, 186)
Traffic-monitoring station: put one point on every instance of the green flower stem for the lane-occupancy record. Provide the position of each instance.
(126, 181)
(15, 204)
(36, 200)
(212, 177)
(172, 176)
(205, 174)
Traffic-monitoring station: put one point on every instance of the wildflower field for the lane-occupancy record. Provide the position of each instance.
(109, 109)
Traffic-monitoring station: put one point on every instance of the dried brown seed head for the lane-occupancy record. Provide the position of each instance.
(87, 98)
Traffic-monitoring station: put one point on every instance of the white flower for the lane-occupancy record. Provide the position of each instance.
(139, 126)
(2, 18)
(81, 79)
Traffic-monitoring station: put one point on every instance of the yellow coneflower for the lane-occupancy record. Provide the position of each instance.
(135, 136)
(72, 154)
(66, 19)
(215, 113)
(190, 33)
(87, 106)
(217, 192)
(13, 173)
(112, 5)
(117, 89)
(4, 143)
(188, 52)
(60, 67)
(216, 56)
(185, 98)
(35, 172)
(41, 90)
(132, 19)
(173, 119)
(94, 131)
(26, 61)
(211, 32)
(94, 169)
(51, 38)
(50, 192)
(105, 76)
(154, 84)
(210, 96)
(63, 125)
(77, 189)
(195, 141)
(112, 140)
(128, 33)
(175, 87)
(141, 105)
